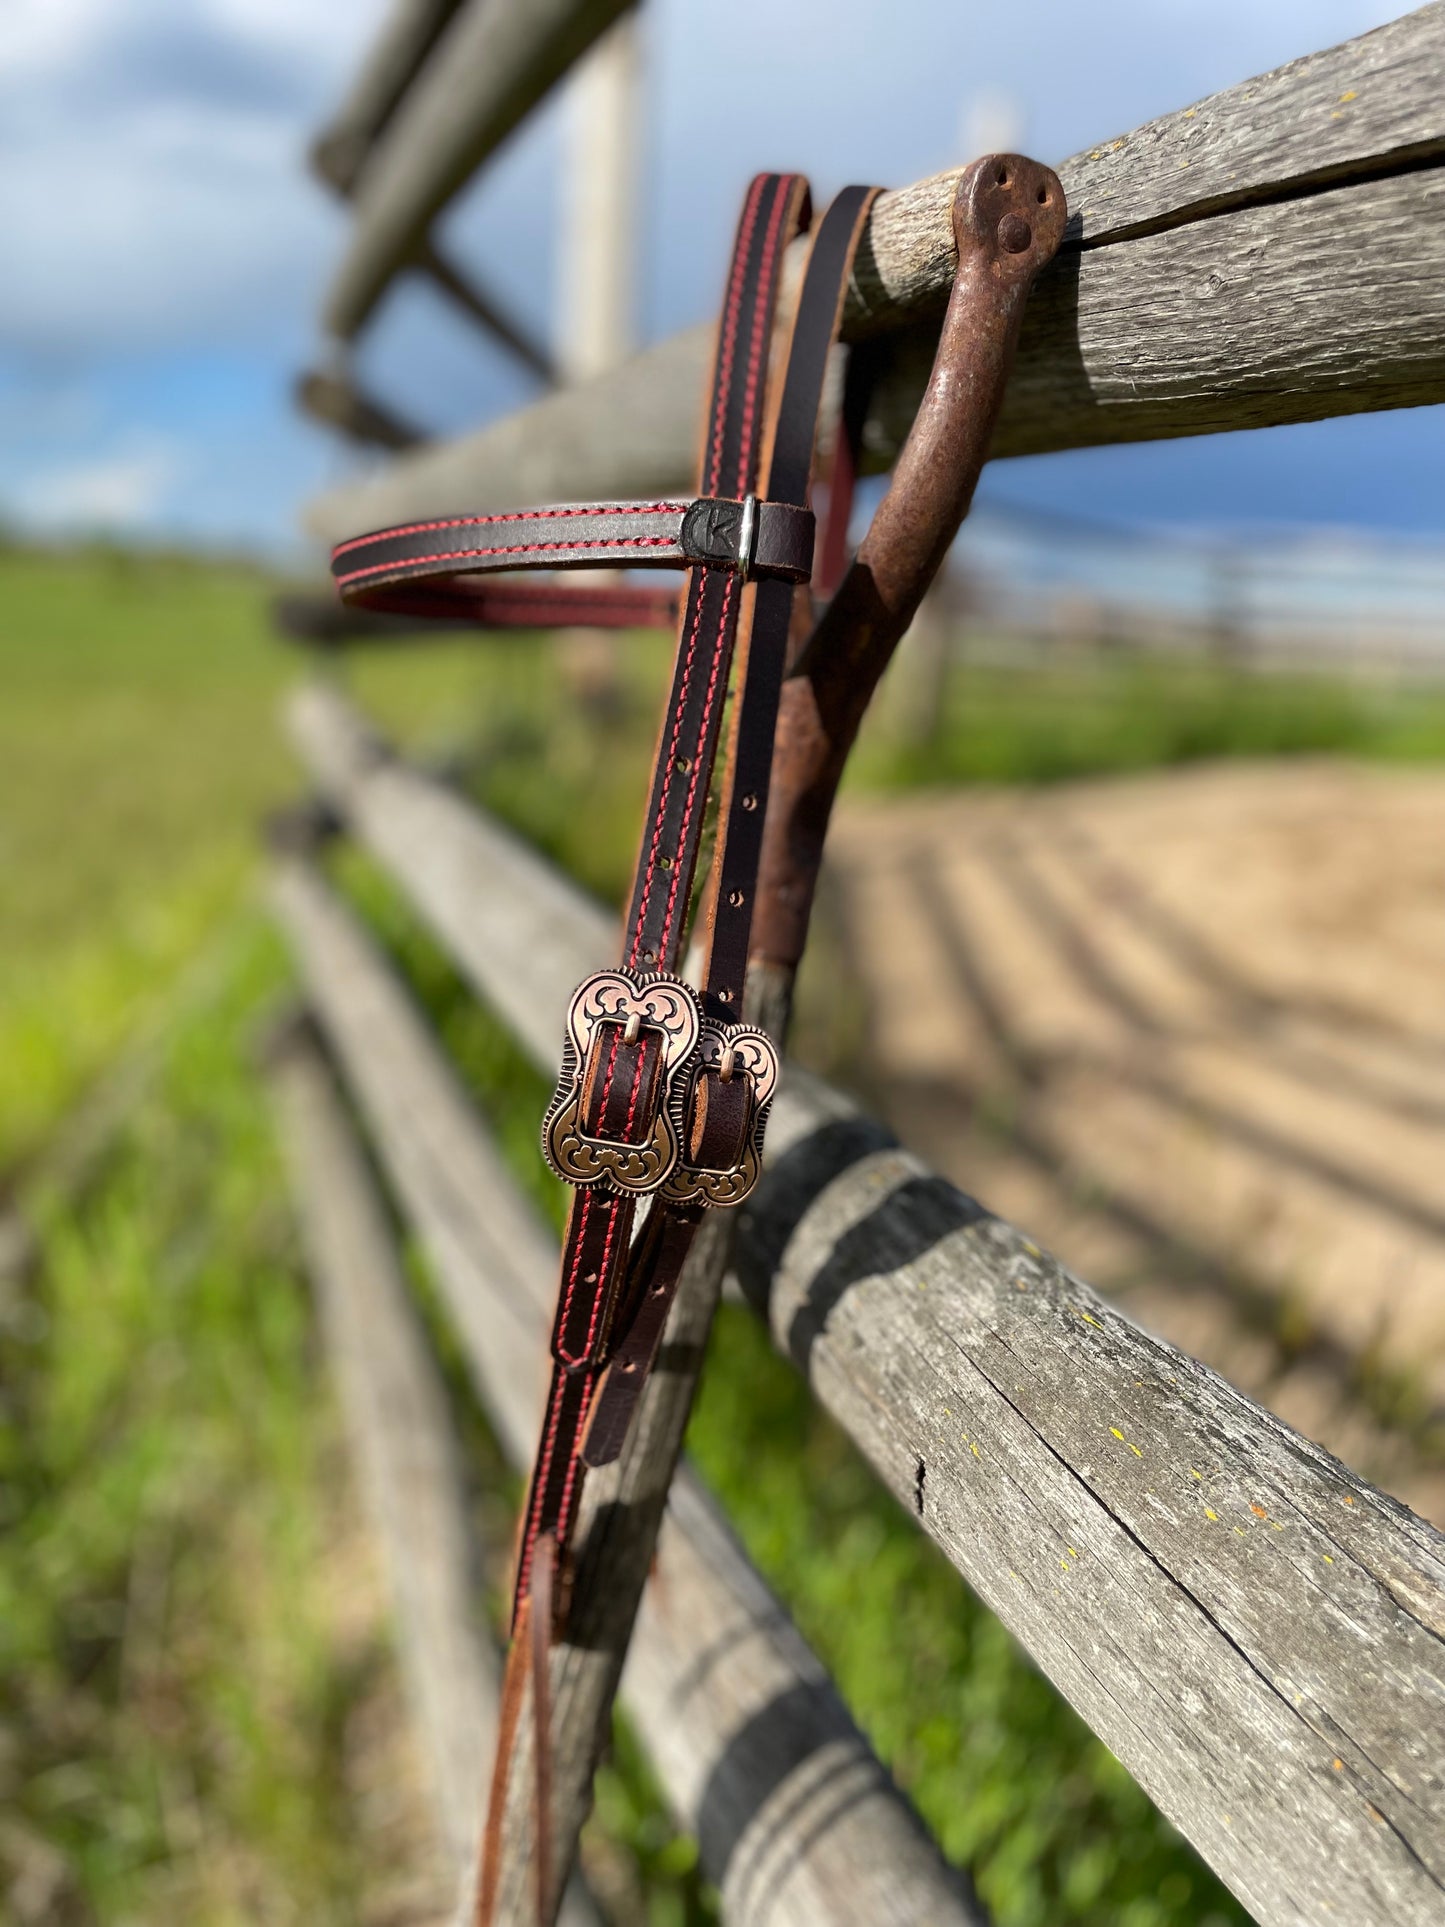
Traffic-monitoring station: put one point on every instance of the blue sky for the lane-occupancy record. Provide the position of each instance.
(165, 251)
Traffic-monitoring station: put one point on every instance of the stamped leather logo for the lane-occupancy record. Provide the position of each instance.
(712, 529)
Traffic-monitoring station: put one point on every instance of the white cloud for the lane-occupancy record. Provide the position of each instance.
(119, 492)
(152, 182)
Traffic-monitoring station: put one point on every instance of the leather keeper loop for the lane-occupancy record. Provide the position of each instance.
(776, 541)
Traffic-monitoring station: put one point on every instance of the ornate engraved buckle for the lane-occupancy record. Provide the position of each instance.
(617, 1114)
(729, 1091)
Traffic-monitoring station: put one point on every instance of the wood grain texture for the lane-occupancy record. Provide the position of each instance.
(1369, 106)
(1246, 262)
(798, 1822)
(1256, 1632)
(500, 58)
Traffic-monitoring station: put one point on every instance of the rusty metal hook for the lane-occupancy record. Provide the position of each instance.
(1008, 221)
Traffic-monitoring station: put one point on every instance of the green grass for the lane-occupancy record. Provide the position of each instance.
(181, 1685)
(139, 746)
(570, 770)
(1119, 712)
(175, 1675)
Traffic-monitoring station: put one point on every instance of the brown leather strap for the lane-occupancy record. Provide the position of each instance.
(499, 602)
(595, 1246)
(544, 1573)
(744, 804)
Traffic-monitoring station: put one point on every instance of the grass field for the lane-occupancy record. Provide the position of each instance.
(193, 1669)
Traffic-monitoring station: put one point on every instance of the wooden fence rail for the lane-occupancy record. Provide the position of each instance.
(409, 33)
(1256, 1632)
(402, 1439)
(502, 58)
(1274, 254)
(797, 1821)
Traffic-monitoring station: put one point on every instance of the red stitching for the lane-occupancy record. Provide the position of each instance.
(581, 1238)
(518, 515)
(724, 378)
(636, 1091)
(519, 548)
(597, 1303)
(574, 1466)
(539, 1481)
(730, 319)
(657, 824)
(697, 759)
(760, 314)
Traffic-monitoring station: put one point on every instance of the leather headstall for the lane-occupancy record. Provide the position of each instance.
(664, 1091)
(665, 1087)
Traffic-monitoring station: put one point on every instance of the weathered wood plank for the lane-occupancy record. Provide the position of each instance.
(1244, 263)
(1369, 106)
(514, 927)
(403, 1442)
(336, 400)
(401, 1438)
(626, 433)
(410, 31)
(502, 57)
(717, 1666)
(1256, 1632)
(1274, 314)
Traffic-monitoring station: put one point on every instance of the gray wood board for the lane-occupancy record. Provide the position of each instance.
(1247, 262)
(498, 60)
(1255, 1631)
(723, 1690)
(1369, 106)
(408, 34)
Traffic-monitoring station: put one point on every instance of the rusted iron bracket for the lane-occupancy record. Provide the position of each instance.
(1008, 221)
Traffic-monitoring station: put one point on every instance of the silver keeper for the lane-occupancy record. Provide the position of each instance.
(747, 536)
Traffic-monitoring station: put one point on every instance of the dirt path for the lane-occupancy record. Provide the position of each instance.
(1189, 1029)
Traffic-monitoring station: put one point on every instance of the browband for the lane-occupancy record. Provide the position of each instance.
(748, 537)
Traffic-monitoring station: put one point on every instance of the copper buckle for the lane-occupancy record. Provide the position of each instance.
(617, 1116)
(729, 1091)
